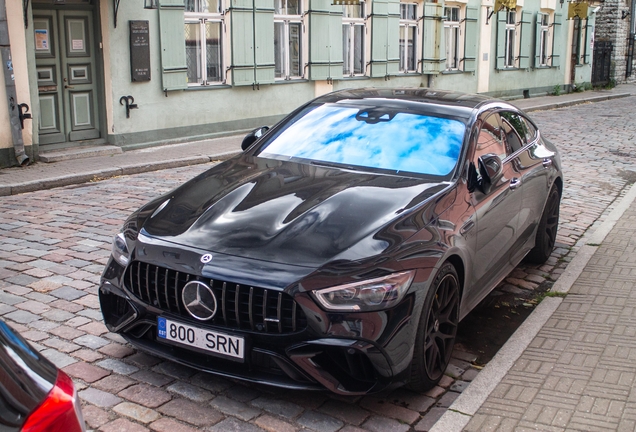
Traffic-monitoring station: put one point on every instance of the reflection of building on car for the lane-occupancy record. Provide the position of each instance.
(324, 257)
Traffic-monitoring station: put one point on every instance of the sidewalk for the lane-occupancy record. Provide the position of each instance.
(571, 365)
(45, 176)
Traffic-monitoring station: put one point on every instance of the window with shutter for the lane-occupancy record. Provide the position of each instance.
(353, 39)
(288, 44)
(325, 40)
(525, 39)
(252, 40)
(471, 36)
(385, 37)
(174, 68)
(203, 42)
(433, 41)
(555, 59)
(408, 37)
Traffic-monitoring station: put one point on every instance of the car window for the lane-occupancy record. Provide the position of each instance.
(370, 137)
(531, 131)
(489, 139)
(515, 129)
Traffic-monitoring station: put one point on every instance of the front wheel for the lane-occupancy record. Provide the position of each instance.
(437, 330)
(547, 229)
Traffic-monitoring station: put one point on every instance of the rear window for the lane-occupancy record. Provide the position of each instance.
(375, 138)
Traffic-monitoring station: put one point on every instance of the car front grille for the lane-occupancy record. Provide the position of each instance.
(241, 306)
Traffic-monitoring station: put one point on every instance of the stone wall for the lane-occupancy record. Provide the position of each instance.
(611, 26)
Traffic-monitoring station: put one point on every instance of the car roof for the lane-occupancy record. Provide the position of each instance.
(451, 102)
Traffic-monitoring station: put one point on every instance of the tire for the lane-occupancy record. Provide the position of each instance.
(437, 330)
(547, 229)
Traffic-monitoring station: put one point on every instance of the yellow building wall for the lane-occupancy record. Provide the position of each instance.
(17, 39)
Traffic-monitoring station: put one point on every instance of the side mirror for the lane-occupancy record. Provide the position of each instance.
(490, 168)
(251, 137)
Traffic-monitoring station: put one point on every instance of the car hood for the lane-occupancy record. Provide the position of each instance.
(286, 212)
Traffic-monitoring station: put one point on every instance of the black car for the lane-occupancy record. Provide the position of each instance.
(34, 395)
(343, 247)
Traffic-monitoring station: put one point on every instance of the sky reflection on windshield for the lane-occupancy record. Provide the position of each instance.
(407, 142)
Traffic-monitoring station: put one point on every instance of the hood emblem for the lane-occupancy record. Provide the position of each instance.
(199, 300)
(206, 258)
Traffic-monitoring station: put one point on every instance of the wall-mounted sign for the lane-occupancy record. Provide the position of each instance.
(505, 4)
(139, 51)
(577, 9)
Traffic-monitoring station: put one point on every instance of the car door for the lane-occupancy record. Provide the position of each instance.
(496, 209)
(530, 156)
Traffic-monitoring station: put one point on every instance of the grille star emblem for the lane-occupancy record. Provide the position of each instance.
(199, 300)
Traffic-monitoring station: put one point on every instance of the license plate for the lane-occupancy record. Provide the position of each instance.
(211, 341)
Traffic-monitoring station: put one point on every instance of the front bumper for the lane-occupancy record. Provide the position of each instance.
(344, 353)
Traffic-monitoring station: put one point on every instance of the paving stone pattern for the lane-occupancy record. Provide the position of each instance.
(579, 372)
(54, 244)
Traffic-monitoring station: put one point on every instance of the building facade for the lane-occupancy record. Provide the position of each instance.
(146, 72)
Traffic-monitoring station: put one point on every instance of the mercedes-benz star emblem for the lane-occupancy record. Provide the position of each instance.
(206, 258)
(199, 300)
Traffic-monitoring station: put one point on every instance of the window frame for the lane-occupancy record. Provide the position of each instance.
(201, 19)
(353, 22)
(286, 20)
(511, 51)
(407, 23)
(453, 29)
(545, 53)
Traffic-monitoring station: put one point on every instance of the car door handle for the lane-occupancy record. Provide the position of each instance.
(547, 162)
(515, 183)
(467, 227)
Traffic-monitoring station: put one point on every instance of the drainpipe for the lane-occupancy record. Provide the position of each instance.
(9, 82)
(630, 41)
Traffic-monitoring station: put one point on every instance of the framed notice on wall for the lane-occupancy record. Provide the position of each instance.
(139, 51)
(41, 40)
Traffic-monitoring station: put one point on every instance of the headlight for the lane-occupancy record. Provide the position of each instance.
(120, 250)
(369, 295)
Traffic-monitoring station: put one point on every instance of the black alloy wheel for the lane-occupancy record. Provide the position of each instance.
(547, 229)
(437, 330)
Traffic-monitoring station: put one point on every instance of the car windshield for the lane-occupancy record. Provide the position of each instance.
(370, 137)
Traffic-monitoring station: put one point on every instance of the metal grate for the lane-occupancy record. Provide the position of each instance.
(240, 306)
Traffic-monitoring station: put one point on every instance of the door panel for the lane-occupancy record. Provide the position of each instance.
(48, 74)
(65, 59)
(77, 59)
(496, 212)
(534, 178)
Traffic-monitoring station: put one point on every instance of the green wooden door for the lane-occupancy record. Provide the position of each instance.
(67, 79)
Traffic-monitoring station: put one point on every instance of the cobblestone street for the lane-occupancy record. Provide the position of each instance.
(54, 244)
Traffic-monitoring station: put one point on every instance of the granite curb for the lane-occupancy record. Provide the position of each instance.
(472, 398)
(568, 103)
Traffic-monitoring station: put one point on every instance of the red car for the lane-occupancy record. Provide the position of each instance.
(34, 395)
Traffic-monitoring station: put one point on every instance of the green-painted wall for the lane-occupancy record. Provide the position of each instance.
(202, 112)
(510, 83)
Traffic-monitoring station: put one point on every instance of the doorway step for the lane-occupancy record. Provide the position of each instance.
(71, 153)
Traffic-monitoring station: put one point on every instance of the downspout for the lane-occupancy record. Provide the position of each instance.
(630, 41)
(9, 82)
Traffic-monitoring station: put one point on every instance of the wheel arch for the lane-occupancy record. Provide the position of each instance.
(458, 263)
(558, 182)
